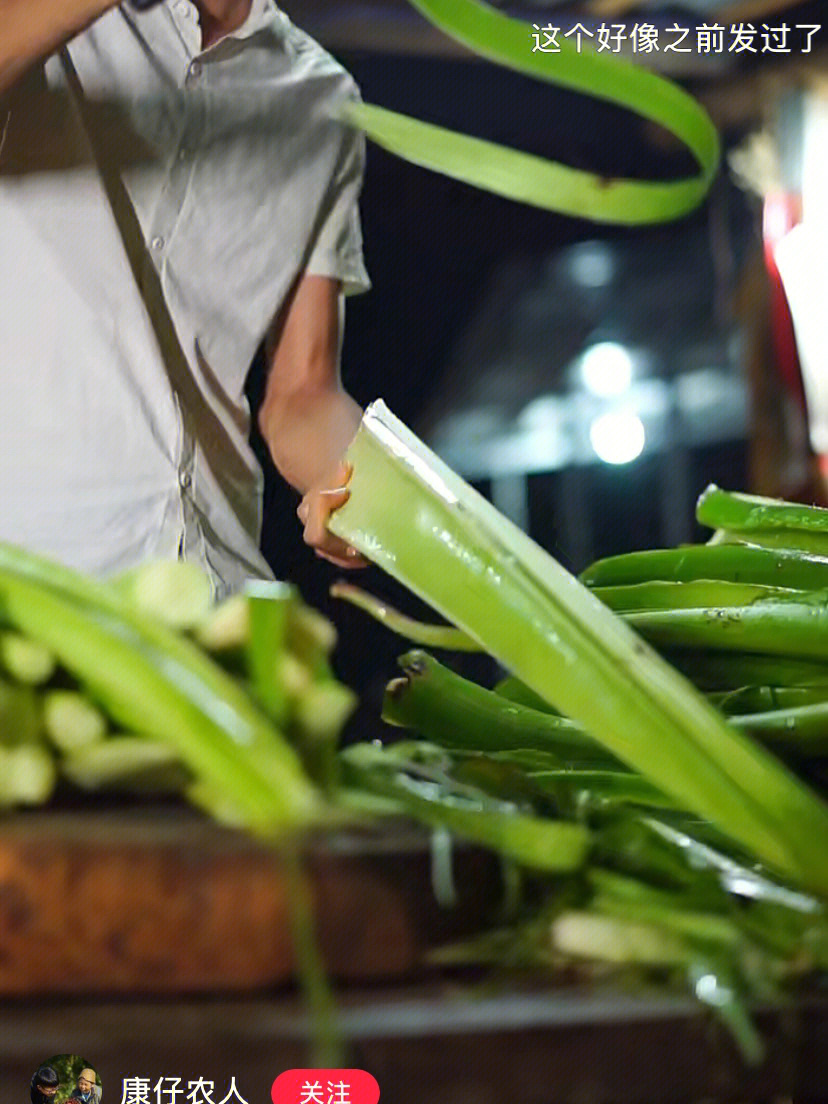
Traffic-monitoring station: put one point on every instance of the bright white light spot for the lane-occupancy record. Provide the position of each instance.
(617, 438)
(706, 986)
(591, 264)
(710, 990)
(742, 887)
(606, 369)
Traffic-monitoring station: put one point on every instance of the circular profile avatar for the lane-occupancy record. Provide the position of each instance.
(66, 1079)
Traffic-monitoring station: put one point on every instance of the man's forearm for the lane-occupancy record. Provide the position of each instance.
(33, 29)
(308, 432)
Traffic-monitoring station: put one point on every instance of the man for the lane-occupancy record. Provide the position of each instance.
(44, 1086)
(174, 187)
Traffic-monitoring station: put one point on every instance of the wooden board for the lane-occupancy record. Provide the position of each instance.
(160, 900)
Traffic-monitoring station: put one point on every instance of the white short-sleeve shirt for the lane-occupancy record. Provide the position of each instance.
(241, 178)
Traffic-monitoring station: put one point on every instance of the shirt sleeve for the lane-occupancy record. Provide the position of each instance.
(337, 250)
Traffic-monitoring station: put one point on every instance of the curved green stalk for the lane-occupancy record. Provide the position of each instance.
(602, 787)
(418, 632)
(697, 594)
(534, 180)
(535, 842)
(457, 713)
(327, 1042)
(813, 543)
(733, 510)
(795, 628)
(725, 670)
(764, 522)
(802, 730)
(735, 563)
(765, 699)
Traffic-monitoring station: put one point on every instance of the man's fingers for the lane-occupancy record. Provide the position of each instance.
(315, 509)
(319, 509)
(349, 563)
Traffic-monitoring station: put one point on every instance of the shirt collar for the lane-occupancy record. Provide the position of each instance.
(262, 14)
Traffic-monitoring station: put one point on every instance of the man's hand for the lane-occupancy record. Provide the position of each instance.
(306, 418)
(315, 509)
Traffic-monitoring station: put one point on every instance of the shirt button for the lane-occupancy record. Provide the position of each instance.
(157, 243)
(194, 71)
(186, 480)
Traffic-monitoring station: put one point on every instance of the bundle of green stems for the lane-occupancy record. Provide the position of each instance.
(671, 705)
(143, 685)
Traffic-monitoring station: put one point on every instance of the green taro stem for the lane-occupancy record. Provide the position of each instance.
(534, 180)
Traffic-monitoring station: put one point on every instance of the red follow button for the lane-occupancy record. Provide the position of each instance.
(325, 1086)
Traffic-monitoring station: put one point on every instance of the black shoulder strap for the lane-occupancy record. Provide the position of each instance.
(201, 422)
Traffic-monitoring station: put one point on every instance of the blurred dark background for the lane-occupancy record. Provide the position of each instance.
(591, 380)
